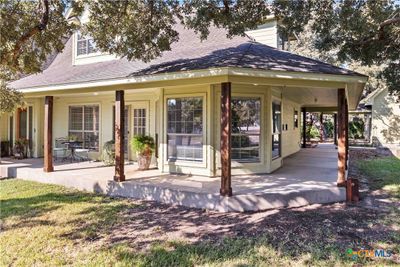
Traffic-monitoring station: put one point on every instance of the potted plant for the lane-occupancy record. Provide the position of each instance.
(143, 145)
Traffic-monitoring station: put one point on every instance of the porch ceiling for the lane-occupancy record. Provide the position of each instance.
(312, 97)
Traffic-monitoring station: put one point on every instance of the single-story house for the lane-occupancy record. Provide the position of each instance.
(215, 107)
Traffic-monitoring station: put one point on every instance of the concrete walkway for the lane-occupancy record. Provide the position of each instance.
(307, 177)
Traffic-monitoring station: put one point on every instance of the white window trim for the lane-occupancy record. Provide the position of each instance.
(261, 135)
(76, 40)
(260, 162)
(204, 135)
(140, 105)
(100, 120)
(274, 98)
(87, 58)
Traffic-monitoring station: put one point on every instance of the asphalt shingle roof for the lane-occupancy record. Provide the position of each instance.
(189, 53)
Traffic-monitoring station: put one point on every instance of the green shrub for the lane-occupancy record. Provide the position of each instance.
(108, 154)
(312, 132)
(356, 129)
(143, 144)
(328, 125)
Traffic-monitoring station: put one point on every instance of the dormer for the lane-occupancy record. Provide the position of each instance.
(84, 49)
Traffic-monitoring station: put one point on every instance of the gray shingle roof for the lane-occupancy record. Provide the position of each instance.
(189, 53)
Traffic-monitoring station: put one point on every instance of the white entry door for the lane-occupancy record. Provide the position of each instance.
(140, 120)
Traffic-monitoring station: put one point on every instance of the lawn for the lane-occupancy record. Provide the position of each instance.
(48, 225)
(383, 173)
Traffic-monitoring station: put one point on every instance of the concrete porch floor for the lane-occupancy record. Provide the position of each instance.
(306, 177)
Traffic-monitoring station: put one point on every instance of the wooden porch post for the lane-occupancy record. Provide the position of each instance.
(347, 132)
(303, 110)
(335, 129)
(226, 130)
(321, 121)
(48, 134)
(119, 136)
(341, 180)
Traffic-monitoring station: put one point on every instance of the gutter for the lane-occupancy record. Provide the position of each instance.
(212, 72)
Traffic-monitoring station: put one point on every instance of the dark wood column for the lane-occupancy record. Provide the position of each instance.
(48, 134)
(335, 129)
(347, 132)
(321, 122)
(119, 136)
(303, 110)
(341, 180)
(226, 131)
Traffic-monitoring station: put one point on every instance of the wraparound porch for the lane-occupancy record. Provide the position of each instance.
(306, 177)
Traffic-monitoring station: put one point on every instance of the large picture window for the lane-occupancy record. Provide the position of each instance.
(85, 45)
(276, 129)
(185, 129)
(246, 129)
(84, 125)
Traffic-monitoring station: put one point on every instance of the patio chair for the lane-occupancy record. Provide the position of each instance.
(60, 150)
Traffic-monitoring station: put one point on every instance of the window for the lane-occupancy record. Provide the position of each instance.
(296, 119)
(85, 45)
(139, 121)
(246, 129)
(185, 129)
(276, 129)
(84, 125)
(22, 123)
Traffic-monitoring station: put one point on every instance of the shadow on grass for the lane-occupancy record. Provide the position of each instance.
(89, 214)
(321, 234)
(142, 233)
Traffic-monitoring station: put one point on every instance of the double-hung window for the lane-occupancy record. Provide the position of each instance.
(85, 45)
(185, 129)
(276, 129)
(84, 125)
(246, 129)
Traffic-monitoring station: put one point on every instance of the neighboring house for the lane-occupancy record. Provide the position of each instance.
(385, 110)
(177, 99)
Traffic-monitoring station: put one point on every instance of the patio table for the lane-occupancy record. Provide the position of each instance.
(72, 145)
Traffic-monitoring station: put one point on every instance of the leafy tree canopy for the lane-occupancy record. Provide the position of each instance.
(359, 32)
(367, 31)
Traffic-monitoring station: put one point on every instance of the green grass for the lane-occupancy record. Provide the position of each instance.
(383, 173)
(48, 225)
(51, 225)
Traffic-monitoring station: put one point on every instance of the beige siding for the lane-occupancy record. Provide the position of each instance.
(291, 136)
(385, 119)
(266, 34)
